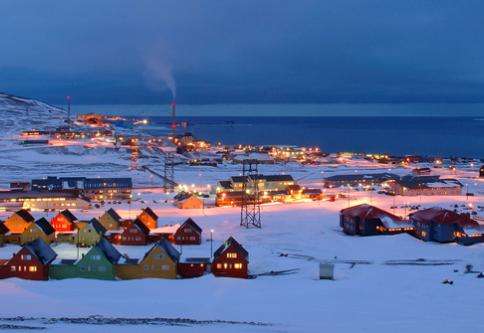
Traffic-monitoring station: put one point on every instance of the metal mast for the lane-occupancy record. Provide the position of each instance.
(250, 207)
(169, 165)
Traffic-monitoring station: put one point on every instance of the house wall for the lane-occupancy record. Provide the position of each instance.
(61, 223)
(88, 236)
(131, 235)
(108, 222)
(24, 265)
(187, 236)
(191, 203)
(33, 232)
(191, 270)
(224, 265)
(16, 224)
(157, 264)
(93, 265)
(148, 221)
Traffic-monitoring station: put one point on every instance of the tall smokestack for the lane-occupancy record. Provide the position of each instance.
(68, 99)
(173, 114)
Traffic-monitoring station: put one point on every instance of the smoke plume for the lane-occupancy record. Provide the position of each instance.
(159, 73)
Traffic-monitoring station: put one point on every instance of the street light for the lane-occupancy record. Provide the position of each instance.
(211, 244)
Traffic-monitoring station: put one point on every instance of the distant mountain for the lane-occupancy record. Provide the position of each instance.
(12, 102)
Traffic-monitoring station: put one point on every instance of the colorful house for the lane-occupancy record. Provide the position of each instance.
(132, 233)
(64, 221)
(230, 260)
(98, 263)
(193, 267)
(440, 225)
(149, 218)
(38, 229)
(190, 201)
(367, 220)
(18, 221)
(89, 233)
(31, 262)
(189, 233)
(159, 262)
(110, 220)
(471, 234)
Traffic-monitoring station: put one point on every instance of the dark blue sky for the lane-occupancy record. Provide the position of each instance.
(119, 51)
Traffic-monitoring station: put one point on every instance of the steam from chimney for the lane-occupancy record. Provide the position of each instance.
(158, 71)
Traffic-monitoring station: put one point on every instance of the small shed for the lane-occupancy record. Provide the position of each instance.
(190, 202)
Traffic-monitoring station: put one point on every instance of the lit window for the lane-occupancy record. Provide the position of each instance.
(238, 266)
(12, 268)
(32, 269)
(219, 266)
(232, 255)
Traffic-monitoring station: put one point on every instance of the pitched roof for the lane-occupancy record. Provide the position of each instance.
(3, 229)
(41, 250)
(151, 213)
(24, 214)
(189, 221)
(67, 213)
(441, 216)
(109, 250)
(367, 212)
(113, 214)
(268, 178)
(167, 247)
(141, 226)
(45, 226)
(97, 226)
(230, 242)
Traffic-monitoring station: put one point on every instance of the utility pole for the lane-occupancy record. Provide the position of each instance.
(68, 99)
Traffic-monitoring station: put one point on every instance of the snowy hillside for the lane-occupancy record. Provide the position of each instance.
(18, 113)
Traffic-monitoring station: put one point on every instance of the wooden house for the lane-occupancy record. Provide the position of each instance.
(367, 220)
(230, 260)
(31, 262)
(159, 262)
(18, 221)
(89, 233)
(97, 263)
(64, 221)
(131, 233)
(471, 234)
(193, 267)
(110, 220)
(191, 201)
(189, 233)
(440, 225)
(38, 229)
(149, 218)
(3, 232)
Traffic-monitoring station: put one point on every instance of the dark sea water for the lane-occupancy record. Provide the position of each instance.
(442, 136)
(424, 129)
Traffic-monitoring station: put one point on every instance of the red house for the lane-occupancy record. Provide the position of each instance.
(31, 262)
(231, 260)
(64, 221)
(189, 233)
(192, 267)
(133, 233)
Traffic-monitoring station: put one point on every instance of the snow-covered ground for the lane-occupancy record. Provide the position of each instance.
(368, 297)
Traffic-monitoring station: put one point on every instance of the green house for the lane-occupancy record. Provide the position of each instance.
(97, 263)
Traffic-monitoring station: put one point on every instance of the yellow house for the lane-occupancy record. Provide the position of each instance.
(38, 229)
(110, 220)
(89, 232)
(149, 218)
(18, 221)
(159, 262)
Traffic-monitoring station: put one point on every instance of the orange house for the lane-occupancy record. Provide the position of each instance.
(149, 218)
(64, 221)
(19, 221)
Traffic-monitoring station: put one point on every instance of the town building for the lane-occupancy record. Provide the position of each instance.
(440, 225)
(367, 220)
(37, 200)
(31, 262)
(159, 262)
(193, 267)
(110, 220)
(355, 180)
(189, 233)
(424, 185)
(98, 263)
(64, 221)
(149, 218)
(131, 233)
(97, 189)
(89, 233)
(38, 229)
(189, 201)
(471, 234)
(3, 232)
(18, 221)
(230, 260)
(481, 172)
